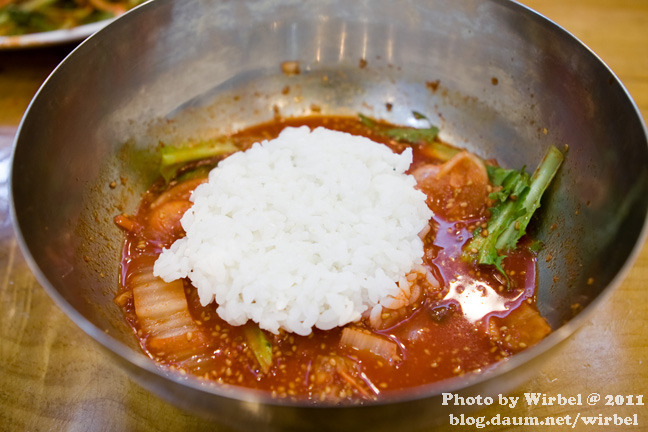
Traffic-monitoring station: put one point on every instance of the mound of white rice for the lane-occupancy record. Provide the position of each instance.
(309, 229)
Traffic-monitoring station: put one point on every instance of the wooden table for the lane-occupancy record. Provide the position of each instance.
(54, 377)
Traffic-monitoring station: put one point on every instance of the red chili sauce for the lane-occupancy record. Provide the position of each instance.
(472, 319)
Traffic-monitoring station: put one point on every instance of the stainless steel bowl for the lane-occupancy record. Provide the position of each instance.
(496, 77)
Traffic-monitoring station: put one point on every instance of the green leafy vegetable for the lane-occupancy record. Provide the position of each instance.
(413, 136)
(173, 158)
(260, 346)
(536, 246)
(403, 134)
(515, 203)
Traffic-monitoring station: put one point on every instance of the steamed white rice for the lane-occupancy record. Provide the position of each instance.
(310, 229)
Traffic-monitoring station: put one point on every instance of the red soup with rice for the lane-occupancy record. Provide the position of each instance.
(451, 315)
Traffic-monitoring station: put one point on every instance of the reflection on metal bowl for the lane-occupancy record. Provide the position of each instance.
(499, 79)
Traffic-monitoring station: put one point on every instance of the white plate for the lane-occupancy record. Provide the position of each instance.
(54, 37)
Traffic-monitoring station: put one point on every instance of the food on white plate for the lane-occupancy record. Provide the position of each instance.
(19, 17)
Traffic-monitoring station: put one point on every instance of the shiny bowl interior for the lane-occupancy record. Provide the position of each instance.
(496, 77)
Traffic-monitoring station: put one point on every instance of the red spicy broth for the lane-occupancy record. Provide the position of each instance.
(470, 318)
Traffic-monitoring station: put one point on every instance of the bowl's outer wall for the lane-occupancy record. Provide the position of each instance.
(509, 85)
